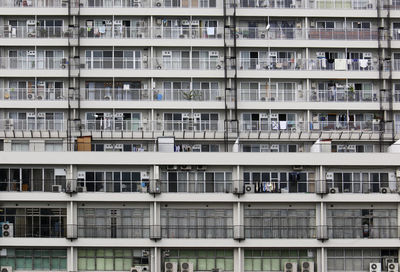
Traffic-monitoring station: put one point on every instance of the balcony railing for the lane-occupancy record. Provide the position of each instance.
(55, 230)
(277, 4)
(193, 126)
(93, 94)
(309, 96)
(30, 63)
(33, 185)
(188, 32)
(116, 32)
(113, 231)
(24, 32)
(223, 186)
(280, 232)
(200, 232)
(49, 94)
(363, 231)
(35, 125)
(255, 33)
(308, 64)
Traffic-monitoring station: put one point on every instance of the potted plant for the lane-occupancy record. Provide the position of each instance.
(190, 95)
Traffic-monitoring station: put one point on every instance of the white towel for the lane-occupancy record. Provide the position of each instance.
(363, 63)
(210, 31)
(340, 64)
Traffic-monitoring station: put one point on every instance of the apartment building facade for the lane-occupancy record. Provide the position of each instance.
(199, 135)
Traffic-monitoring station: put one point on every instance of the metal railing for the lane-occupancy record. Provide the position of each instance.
(92, 94)
(280, 232)
(33, 185)
(188, 32)
(27, 125)
(366, 231)
(273, 33)
(32, 63)
(199, 232)
(40, 32)
(309, 96)
(47, 94)
(224, 186)
(112, 231)
(115, 32)
(56, 230)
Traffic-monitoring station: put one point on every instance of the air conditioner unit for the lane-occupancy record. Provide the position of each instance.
(7, 230)
(186, 167)
(320, 54)
(31, 53)
(307, 267)
(166, 53)
(264, 148)
(30, 22)
(249, 188)
(81, 189)
(171, 267)
(140, 268)
(41, 114)
(185, 115)
(186, 267)
(172, 167)
(30, 114)
(144, 175)
(297, 167)
(158, 4)
(393, 267)
(273, 54)
(6, 269)
(329, 176)
(334, 190)
(351, 148)
(185, 22)
(274, 116)
(56, 188)
(290, 267)
(118, 147)
(31, 96)
(196, 148)
(274, 148)
(195, 22)
(117, 22)
(375, 267)
(264, 116)
(119, 114)
(214, 53)
(201, 168)
(367, 55)
(108, 147)
(81, 175)
(384, 190)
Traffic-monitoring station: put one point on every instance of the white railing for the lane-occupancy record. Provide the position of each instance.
(51, 94)
(24, 32)
(32, 63)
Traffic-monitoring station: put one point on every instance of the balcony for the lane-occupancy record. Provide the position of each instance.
(33, 32)
(259, 33)
(32, 125)
(20, 94)
(363, 231)
(36, 230)
(196, 232)
(310, 95)
(280, 232)
(32, 63)
(112, 231)
(308, 64)
(307, 4)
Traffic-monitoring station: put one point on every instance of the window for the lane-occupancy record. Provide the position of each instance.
(111, 259)
(275, 259)
(54, 146)
(326, 24)
(362, 223)
(21, 146)
(35, 259)
(279, 223)
(36, 222)
(113, 222)
(275, 182)
(196, 223)
(196, 182)
(202, 259)
(349, 259)
(114, 181)
(1, 145)
(365, 182)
